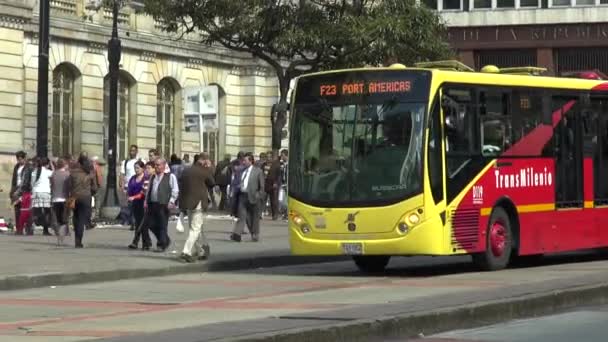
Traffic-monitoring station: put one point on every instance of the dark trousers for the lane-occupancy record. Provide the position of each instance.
(247, 214)
(43, 218)
(273, 194)
(60, 213)
(158, 216)
(224, 199)
(141, 224)
(82, 215)
(17, 214)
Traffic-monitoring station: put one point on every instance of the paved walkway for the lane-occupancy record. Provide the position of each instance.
(286, 303)
(38, 261)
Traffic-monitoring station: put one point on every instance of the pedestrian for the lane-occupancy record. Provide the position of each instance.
(251, 190)
(223, 173)
(24, 203)
(235, 183)
(81, 187)
(162, 196)
(136, 196)
(186, 160)
(41, 194)
(196, 181)
(272, 170)
(127, 171)
(59, 196)
(283, 191)
(16, 182)
(205, 160)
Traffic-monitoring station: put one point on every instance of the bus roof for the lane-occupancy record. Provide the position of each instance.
(487, 78)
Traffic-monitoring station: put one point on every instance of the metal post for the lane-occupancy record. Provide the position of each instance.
(42, 124)
(110, 199)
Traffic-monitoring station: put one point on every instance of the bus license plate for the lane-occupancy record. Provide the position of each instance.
(352, 248)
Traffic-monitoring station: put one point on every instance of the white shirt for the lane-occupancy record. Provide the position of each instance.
(172, 184)
(43, 185)
(20, 175)
(245, 178)
(130, 169)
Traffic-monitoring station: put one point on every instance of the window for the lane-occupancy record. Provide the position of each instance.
(505, 3)
(452, 5)
(560, 3)
(435, 166)
(495, 122)
(122, 133)
(165, 114)
(432, 4)
(585, 2)
(63, 111)
(528, 3)
(482, 3)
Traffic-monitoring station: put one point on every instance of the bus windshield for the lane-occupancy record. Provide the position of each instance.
(358, 150)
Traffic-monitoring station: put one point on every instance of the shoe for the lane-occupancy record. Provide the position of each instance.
(187, 258)
(132, 246)
(145, 248)
(79, 245)
(159, 250)
(235, 237)
(207, 251)
(255, 238)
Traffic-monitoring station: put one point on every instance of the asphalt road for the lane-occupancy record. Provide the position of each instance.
(584, 325)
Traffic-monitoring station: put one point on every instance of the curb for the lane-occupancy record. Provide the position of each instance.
(441, 320)
(234, 264)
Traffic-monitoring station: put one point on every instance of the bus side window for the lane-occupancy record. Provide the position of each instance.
(495, 120)
(435, 168)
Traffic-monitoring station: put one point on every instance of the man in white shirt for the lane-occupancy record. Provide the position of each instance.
(250, 192)
(127, 168)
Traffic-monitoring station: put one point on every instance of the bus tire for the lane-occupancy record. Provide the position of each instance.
(499, 242)
(371, 263)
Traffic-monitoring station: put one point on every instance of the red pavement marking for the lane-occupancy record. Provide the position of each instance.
(77, 333)
(74, 303)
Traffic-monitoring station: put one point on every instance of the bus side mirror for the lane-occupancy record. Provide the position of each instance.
(547, 112)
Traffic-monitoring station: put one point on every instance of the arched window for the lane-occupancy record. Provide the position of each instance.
(165, 114)
(122, 134)
(63, 111)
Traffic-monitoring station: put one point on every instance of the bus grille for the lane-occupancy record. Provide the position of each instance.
(465, 228)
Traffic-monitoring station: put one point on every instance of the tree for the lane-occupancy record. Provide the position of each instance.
(297, 36)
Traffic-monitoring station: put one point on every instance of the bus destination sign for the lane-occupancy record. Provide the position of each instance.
(365, 88)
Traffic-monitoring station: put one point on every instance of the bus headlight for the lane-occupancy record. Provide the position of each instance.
(403, 227)
(300, 222)
(413, 218)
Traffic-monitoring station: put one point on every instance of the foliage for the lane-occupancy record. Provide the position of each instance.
(296, 36)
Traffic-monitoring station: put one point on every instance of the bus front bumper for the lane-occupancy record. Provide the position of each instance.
(425, 239)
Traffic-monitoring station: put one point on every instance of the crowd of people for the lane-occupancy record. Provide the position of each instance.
(46, 193)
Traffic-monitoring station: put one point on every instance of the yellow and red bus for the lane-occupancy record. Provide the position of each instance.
(430, 161)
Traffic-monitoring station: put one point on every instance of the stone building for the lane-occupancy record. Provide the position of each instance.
(561, 35)
(161, 81)
(155, 74)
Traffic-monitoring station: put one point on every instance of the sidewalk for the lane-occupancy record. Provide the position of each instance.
(37, 261)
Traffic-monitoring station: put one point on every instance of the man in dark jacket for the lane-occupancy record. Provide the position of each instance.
(194, 199)
(17, 181)
(272, 171)
(223, 173)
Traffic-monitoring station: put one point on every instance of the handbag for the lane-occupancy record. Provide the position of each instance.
(71, 203)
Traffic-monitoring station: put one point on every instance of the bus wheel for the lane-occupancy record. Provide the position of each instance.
(371, 263)
(499, 242)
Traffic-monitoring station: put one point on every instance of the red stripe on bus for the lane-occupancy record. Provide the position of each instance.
(534, 142)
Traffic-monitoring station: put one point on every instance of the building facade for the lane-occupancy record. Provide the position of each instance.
(560, 35)
(164, 85)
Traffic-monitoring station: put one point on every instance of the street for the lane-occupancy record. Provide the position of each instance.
(584, 324)
(237, 304)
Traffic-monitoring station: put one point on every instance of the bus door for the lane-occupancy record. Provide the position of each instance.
(599, 110)
(568, 153)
